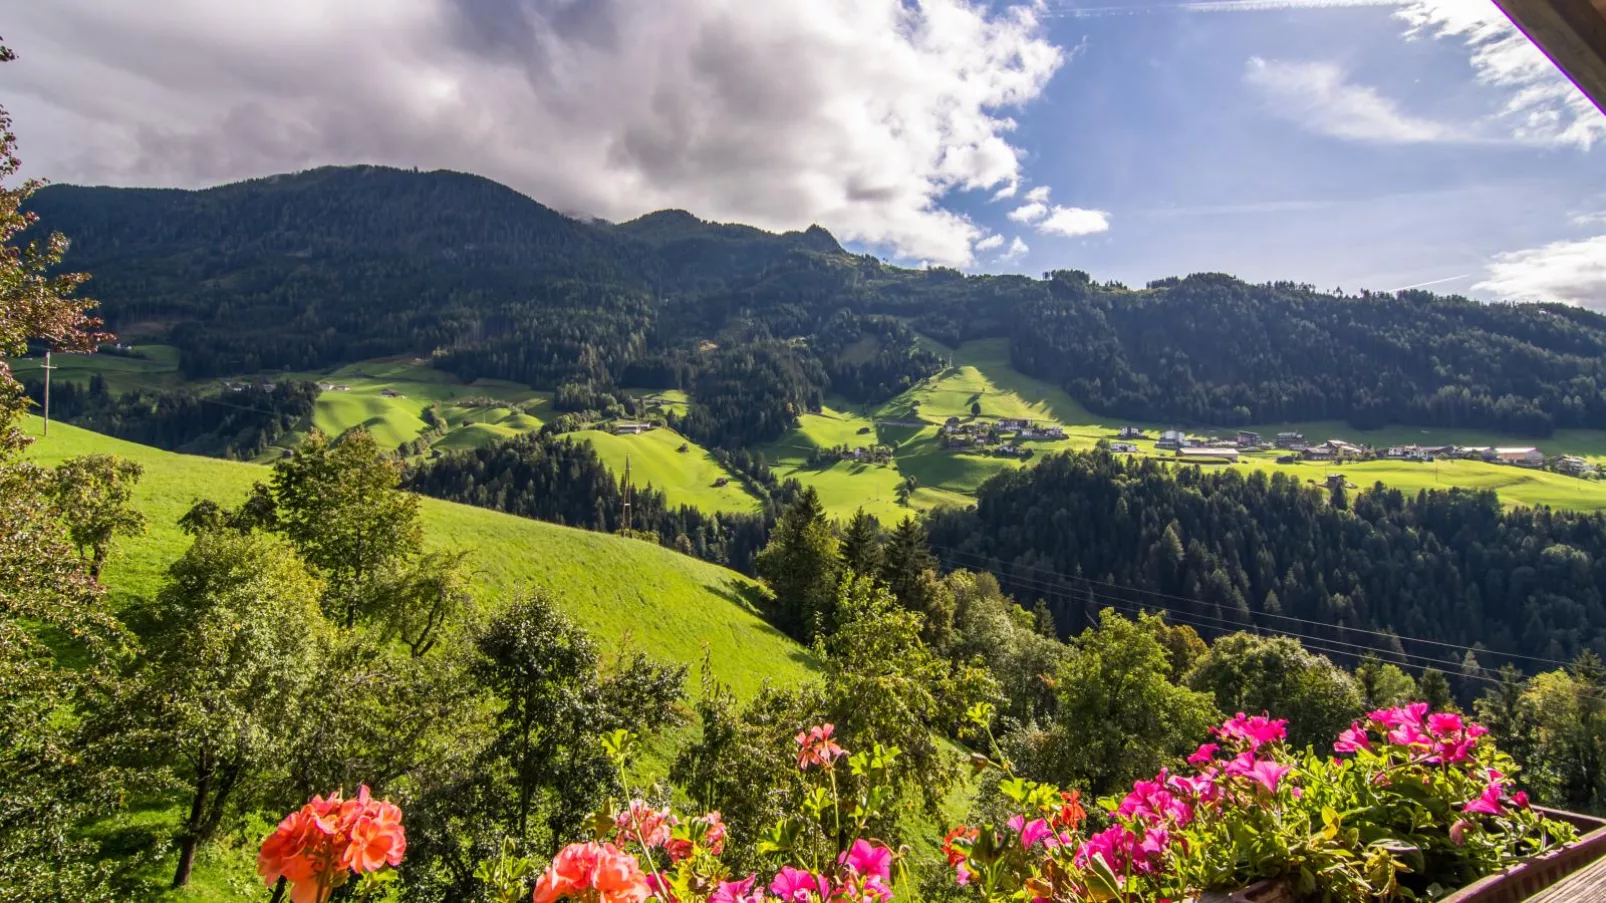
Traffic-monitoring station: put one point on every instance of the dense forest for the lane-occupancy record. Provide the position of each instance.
(340, 264)
(1232, 550)
(243, 423)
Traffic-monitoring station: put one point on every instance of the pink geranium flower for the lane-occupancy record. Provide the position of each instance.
(1204, 755)
(593, 870)
(1256, 730)
(815, 747)
(1442, 724)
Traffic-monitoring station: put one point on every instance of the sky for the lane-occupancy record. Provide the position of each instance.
(1351, 144)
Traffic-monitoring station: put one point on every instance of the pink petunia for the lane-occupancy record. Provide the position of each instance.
(870, 860)
(1268, 773)
(737, 892)
(1442, 724)
(1352, 740)
(1204, 755)
(797, 886)
(1487, 803)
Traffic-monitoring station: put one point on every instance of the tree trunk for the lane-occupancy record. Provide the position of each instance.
(192, 827)
(278, 890)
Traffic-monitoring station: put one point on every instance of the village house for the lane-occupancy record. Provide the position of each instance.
(1173, 439)
(1132, 432)
(1043, 432)
(1014, 423)
(1123, 448)
(1407, 453)
(631, 428)
(1320, 453)
(1290, 440)
(1574, 466)
(1521, 457)
(1341, 449)
(1247, 439)
(391, 393)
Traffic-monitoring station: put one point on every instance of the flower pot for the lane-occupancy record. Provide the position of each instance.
(1519, 882)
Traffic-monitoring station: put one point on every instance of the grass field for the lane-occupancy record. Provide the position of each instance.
(668, 603)
(157, 370)
(685, 478)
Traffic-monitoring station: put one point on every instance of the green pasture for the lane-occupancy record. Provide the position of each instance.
(685, 477)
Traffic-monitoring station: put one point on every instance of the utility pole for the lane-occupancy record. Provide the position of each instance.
(624, 520)
(47, 368)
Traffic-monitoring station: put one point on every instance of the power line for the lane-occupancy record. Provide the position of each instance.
(1316, 644)
(1290, 618)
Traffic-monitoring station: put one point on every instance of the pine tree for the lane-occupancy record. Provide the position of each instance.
(1434, 689)
(801, 565)
(861, 544)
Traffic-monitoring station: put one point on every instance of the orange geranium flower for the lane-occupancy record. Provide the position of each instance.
(317, 847)
(592, 872)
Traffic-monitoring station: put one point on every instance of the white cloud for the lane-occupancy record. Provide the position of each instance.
(1038, 195)
(1320, 97)
(1008, 191)
(1573, 272)
(860, 115)
(1591, 218)
(1541, 105)
(990, 242)
(1017, 250)
(1029, 213)
(1073, 221)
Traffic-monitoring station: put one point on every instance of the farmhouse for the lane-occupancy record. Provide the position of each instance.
(1522, 457)
(1014, 423)
(631, 428)
(1046, 432)
(1228, 455)
(1321, 453)
(1289, 440)
(1123, 448)
(1173, 439)
(391, 393)
(1132, 432)
(1574, 465)
(1247, 439)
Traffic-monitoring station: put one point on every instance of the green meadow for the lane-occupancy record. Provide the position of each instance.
(668, 603)
(685, 477)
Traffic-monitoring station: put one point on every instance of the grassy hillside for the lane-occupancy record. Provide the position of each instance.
(685, 477)
(667, 603)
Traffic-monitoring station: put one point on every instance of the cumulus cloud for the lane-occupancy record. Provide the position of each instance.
(1054, 219)
(860, 115)
(1073, 221)
(1541, 105)
(1029, 213)
(990, 242)
(1572, 272)
(1320, 97)
(1017, 250)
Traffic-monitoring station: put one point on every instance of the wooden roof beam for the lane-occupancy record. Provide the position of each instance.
(1572, 33)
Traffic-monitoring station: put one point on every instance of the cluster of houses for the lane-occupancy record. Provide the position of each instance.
(231, 385)
(869, 454)
(989, 436)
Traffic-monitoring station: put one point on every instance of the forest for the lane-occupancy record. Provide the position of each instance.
(340, 264)
(1230, 550)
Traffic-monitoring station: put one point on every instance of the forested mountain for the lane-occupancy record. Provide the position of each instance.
(1232, 550)
(340, 264)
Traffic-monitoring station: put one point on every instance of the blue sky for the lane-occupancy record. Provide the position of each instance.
(1160, 119)
(1347, 143)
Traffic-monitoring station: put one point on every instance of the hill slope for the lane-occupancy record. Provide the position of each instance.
(667, 603)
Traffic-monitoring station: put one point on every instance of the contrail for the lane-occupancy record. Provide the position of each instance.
(1433, 282)
(1139, 7)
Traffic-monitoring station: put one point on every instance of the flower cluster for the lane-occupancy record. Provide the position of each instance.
(594, 873)
(319, 846)
(630, 869)
(1430, 798)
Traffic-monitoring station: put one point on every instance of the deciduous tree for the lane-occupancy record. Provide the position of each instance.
(94, 495)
